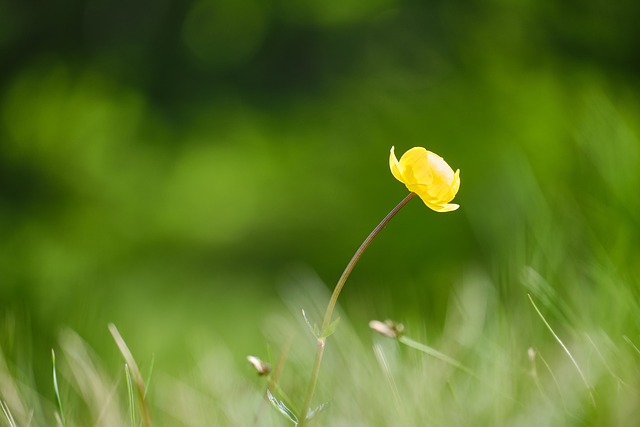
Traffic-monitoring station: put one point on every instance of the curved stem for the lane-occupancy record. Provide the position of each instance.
(356, 257)
(332, 304)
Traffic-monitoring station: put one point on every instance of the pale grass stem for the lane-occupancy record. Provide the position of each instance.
(328, 315)
(555, 381)
(566, 350)
(135, 374)
(533, 354)
(8, 414)
(628, 340)
(384, 365)
(150, 374)
(434, 353)
(604, 361)
(56, 389)
(131, 395)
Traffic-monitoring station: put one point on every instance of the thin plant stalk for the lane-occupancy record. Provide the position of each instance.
(130, 393)
(8, 414)
(566, 350)
(136, 376)
(328, 314)
(56, 389)
(434, 353)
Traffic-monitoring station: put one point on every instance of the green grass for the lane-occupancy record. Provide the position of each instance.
(491, 365)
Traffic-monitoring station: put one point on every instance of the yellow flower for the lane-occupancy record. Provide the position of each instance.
(429, 176)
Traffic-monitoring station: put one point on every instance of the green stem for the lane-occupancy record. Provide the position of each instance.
(434, 353)
(356, 257)
(328, 314)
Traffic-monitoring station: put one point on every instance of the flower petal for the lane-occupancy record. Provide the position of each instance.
(440, 169)
(448, 207)
(435, 195)
(394, 165)
(455, 185)
(415, 168)
(440, 207)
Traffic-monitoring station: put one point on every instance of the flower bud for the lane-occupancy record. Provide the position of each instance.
(429, 176)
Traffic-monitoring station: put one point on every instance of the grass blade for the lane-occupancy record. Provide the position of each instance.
(282, 408)
(434, 353)
(151, 366)
(135, 374)
(7, 414)
(56, 389)
(131, 395)
(566, 350)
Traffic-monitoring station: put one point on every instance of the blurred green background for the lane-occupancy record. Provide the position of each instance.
(172, 167)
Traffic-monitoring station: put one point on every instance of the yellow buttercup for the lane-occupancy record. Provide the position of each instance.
(429, 176)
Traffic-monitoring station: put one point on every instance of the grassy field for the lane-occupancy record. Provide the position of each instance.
(546, 359)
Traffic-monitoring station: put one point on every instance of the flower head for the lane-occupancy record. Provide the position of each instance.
(429, 176)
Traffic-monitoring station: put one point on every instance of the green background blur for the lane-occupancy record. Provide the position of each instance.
(173, 167)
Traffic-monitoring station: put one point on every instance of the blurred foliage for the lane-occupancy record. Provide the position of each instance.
(166, 165)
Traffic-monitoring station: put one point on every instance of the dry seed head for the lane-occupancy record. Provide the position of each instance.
(387, 328)
(262, 367)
